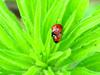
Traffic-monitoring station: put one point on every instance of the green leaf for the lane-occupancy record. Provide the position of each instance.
(32, 71)
(55, 56)
(81, 54)
(59, 57)
(5, 72)
(38, 59)
(69, 23)
(9, 23)
(87, 37)
(10, 59)
(6, 41)
(47, 51)
(32, 20)
(92, 63)
(37, 27)
(49, 71)
(78, 5)
(44, 9)
(80, 29)
(84, 71)
(26, 9)
(63, 58)
(45, 6)
(63, 73)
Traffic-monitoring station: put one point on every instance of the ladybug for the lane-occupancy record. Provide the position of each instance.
(57, 32)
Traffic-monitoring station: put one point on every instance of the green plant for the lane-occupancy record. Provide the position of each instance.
(27, 48)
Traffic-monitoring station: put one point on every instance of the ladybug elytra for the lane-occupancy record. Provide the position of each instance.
(57, 32)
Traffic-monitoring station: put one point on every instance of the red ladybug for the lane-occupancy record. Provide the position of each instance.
(57, 32)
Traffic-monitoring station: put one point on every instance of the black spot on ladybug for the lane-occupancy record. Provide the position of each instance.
(56, 41)
(53, 34)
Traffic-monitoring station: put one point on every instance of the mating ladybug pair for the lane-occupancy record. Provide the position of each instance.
(57, 32)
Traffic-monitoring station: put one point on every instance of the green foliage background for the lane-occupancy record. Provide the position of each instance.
(27, 48)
